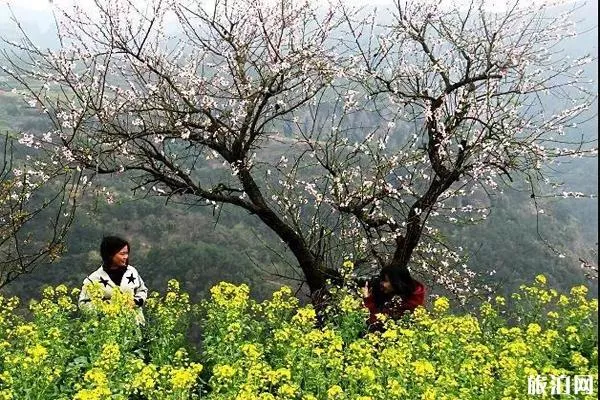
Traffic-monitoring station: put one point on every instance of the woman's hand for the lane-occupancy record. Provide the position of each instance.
(365, 290)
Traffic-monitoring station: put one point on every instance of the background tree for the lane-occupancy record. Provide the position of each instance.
(349, 133)
(37, 204)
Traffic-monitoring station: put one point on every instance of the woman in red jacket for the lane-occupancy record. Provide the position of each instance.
(395, 294)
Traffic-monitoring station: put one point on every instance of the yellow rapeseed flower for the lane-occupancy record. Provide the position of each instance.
(287, 391)
(441, 305)
(38, 353)
(552, 315)
(350, 303)
(429, 394)
(423, 368)
(541, 279)
(279, 375)
(571, 329)
(6, 394)
(223, 371)
(395, 389)
(533, 330)
(183, 379)
(109, 357)
(96, 376)
(250, 350)
(366, 374)
(335, 392)
(579, 291)
(304, 316)
(98, 393)
(579, 360)
(145, 380)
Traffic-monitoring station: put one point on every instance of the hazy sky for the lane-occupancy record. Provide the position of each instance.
(45, 4)
(38, 10)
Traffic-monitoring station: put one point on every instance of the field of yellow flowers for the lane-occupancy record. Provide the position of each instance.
(276, 349)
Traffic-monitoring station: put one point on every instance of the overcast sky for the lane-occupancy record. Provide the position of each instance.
(37, 20)
(46, 4)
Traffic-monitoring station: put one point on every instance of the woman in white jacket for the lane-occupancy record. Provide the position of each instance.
(115, 272)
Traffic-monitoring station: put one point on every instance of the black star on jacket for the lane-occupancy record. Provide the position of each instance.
(134, 284)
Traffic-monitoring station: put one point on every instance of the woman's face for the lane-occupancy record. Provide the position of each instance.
(119, 260)
(386, 285)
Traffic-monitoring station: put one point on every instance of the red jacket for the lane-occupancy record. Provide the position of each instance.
(396, 309)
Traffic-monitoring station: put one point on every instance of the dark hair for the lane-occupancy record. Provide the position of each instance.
(401, 280)
(110, 246)
(402, 283)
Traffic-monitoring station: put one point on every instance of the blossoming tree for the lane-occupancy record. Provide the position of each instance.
(349, 133)
(37, 204)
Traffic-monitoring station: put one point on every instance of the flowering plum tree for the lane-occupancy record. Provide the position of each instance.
(348, 132)
(30, 193)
